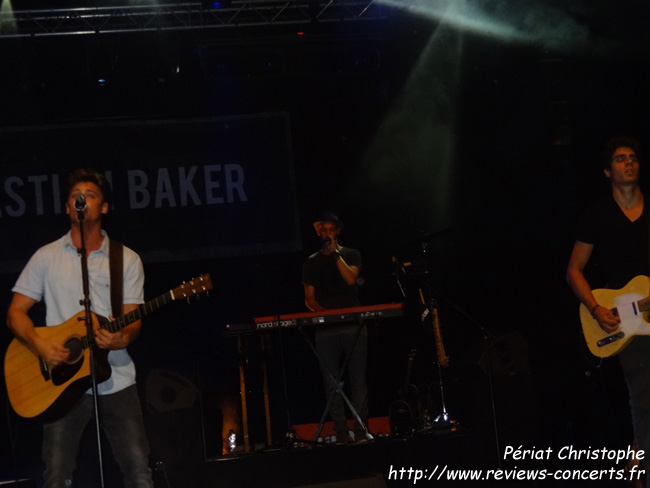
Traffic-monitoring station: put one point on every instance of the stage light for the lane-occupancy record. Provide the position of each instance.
(7, 19)
(515, 21)
(215, 5)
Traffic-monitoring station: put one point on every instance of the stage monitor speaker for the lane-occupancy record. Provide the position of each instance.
(173, 422)
(167, 391)
(376, 481)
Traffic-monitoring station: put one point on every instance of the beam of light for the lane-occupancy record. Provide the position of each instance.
(408, 166)
(529, 21)
(7, 19)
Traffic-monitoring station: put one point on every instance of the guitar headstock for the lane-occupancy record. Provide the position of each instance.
(195, 287)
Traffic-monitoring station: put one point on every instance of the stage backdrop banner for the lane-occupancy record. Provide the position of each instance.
(183, 189)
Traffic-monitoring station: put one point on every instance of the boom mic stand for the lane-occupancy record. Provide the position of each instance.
(80, 207)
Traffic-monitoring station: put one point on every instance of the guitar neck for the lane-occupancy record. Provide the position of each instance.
(139, 313)
(187, 290)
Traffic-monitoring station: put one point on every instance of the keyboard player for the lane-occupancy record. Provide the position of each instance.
(330, 277)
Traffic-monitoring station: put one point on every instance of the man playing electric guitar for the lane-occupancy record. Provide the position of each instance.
(53, 274)
(616, 229)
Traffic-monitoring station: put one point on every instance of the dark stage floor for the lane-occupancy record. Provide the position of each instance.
(384, 462)
(380, 463)
(431, 458)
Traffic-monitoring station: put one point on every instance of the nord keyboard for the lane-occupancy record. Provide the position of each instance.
(353, 314)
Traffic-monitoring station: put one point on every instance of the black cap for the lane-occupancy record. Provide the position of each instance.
(330, 217)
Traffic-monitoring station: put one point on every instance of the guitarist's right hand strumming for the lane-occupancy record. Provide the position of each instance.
(22, 326)
(607, 320)
(53, 354)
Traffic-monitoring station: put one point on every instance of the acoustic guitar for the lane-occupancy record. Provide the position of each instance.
(39, 392)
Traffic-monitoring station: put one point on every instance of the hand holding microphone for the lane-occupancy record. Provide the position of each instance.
(327, 242)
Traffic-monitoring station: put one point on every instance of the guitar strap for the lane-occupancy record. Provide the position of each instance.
(116, 260)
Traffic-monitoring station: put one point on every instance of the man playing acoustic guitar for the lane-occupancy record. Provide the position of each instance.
(53, 274)
(615, 231)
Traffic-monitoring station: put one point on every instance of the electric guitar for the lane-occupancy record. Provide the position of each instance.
(37, 391)
(631, 304)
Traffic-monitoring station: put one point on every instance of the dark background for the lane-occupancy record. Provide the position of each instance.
(467, 148)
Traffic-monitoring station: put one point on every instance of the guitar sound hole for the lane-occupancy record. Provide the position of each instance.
(75, 346)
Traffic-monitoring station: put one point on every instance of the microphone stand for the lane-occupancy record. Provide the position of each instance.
(90, 336)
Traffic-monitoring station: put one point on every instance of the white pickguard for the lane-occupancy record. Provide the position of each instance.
(631, 317)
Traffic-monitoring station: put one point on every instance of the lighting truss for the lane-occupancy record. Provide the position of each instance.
(183, 16)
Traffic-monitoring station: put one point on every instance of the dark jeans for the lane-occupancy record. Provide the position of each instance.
(635, 362)
(333, 344)
(121, 421)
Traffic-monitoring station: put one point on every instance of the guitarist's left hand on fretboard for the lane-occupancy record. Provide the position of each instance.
(111, 341)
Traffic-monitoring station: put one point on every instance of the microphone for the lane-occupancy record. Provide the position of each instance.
(327, 241)
(80, 203)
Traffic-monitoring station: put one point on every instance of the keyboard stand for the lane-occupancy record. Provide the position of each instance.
(337, 384)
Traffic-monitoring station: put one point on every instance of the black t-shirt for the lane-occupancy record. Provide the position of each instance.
(620, 246)
(331, 291)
